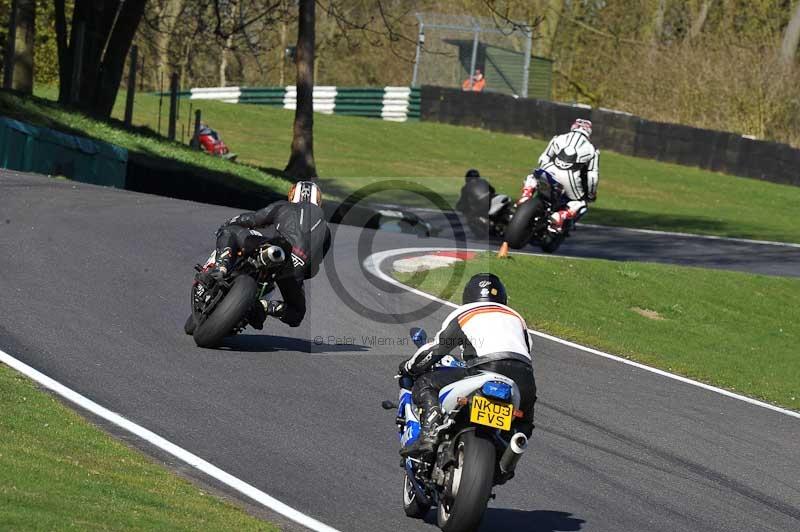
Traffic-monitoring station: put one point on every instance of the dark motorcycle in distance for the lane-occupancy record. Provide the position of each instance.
(225, 307)
(487, 213)
(477, 449)
(531, 219)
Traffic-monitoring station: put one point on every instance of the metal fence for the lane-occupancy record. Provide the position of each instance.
(452, 48)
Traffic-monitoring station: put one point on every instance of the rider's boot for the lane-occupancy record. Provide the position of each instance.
(428, 437)
(220, 269)
(558, 220)
(273, 308)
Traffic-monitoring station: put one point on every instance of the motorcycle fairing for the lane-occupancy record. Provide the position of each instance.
(448, 396)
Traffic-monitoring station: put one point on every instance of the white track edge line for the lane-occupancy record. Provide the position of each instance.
(373, 263)
(621, 228)
(694, 235)
(167, 446)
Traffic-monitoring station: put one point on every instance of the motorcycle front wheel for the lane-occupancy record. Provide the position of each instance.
(470, 485)
(520, 228)
(411, 504)
(228, 313)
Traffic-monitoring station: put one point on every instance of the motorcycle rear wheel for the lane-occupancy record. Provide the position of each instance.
(411, 505)
(229, 312)
(190, 325)
(471, 485)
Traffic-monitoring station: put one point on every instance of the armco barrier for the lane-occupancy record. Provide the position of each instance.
(28, 148)
(389, 103)
(616, 131)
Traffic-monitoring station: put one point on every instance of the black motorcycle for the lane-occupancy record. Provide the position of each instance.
(225, 307)
(491, 223)
(531, 220)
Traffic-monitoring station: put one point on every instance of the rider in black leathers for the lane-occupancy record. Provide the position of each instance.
(476, 195)
(297, 225)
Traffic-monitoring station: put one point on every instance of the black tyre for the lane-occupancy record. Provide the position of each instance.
(411, 505)
(553, 243)
(229, 312)
(190, 325)
(520, 228)
(470, 485)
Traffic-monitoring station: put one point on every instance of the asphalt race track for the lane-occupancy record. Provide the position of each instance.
(94, 290)
(619, 243)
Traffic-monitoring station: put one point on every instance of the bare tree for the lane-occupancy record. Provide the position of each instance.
(301, 162)
(700, 19)
(791, 37)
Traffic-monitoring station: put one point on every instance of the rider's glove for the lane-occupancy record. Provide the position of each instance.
(403, 370)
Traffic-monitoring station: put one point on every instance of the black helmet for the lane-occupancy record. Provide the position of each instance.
(484, 287)
(471, 174)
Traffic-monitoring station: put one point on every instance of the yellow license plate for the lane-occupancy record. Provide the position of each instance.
(491, 413)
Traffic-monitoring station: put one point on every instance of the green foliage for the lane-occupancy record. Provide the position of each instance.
(46, 49)
(730, 329)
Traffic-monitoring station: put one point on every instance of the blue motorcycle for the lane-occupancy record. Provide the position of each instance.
(477, 448)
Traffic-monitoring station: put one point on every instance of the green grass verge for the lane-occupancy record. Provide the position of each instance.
(734, 330)
(352, 151)
(59, 472)
(42, 111)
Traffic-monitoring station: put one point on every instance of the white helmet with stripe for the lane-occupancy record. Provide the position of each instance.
(305, 192)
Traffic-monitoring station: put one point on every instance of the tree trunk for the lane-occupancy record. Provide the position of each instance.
(24, 46)
(791, 37)
(301, 163)
(223, 61)
(120, 37)
(167, 22)
(64, 57)
(700, 20)
(543, 45)
(282, 56)
(8, 56)
(658, 21)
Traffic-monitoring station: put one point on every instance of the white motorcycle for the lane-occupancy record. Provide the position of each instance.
(477, 448)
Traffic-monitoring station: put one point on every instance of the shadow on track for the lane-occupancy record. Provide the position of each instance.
(496, 519)
(529, 520)
(265, 343)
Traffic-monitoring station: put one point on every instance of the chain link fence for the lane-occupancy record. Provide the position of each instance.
(451, 49)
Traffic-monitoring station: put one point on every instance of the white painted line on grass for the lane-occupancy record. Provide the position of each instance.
(373, 265)
(167, 446)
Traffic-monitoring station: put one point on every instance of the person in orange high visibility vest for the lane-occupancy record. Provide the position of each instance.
(478, 82)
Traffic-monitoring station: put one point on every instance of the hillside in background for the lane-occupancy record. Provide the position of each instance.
(720, 64)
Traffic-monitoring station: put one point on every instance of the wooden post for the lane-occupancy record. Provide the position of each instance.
(173, 106)
(131, 87)
(195, 140)
(77, 62)
(160, 97)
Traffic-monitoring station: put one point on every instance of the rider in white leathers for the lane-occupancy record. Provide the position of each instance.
(572, 160)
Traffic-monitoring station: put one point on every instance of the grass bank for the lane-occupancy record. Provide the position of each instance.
(734, 330)
(58, 472)
(353, 151)
(42, 111)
